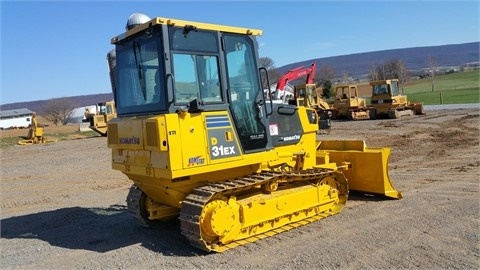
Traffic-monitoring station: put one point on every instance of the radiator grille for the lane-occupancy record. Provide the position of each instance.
(112, 134)
(152, 134)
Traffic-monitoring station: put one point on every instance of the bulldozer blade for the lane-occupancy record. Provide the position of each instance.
(367, 167)
(418, 108)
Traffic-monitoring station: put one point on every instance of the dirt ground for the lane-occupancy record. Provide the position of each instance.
(63, 207)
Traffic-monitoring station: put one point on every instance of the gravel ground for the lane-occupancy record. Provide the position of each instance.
(63, 207)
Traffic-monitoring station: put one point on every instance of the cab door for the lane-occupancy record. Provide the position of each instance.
(245, 92)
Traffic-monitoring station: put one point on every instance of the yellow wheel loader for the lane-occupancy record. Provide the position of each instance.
(200, 143)
(389, 103)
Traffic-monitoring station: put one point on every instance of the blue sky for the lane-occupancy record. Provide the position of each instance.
(52, 49)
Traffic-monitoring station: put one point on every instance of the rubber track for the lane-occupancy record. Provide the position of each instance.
(194, 203)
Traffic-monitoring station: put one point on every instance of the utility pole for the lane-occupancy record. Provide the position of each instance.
(432, 64)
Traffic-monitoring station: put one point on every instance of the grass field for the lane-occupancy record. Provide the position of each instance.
(455, 88)
(10, 138)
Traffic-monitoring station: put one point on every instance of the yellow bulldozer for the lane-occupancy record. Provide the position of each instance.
(389, 103)
(348, 105)
(308, 95)
(104, 112)
(199, 141)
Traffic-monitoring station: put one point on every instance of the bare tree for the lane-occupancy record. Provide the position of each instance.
(273, 74)
(345, 76)
(391, 69)
(403, 73)
(267, 63)
(58, 110)
(396, 69)
(377, 73)
(325, 76)
(373, 73)
(325, 72)
(432, 64)
(381, 71)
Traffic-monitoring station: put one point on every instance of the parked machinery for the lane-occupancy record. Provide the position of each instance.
(309, 95)
(35, 132)
(104, 112)
(307, 71)
(304, 94)
(388, 102)
(201, 143)
(348, 105)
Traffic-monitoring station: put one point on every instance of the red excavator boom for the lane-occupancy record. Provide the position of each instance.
(308, 70)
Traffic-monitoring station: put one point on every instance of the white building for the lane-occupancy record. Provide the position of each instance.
(78, 114)
(19, 118)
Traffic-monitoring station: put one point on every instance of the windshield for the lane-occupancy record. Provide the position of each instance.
(195, 56)
(196, 77)
(380, 89)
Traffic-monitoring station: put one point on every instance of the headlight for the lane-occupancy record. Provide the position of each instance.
(312, 116)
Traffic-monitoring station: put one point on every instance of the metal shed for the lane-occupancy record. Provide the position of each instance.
(18, 118)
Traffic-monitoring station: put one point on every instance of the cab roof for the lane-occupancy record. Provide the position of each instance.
(182, 23)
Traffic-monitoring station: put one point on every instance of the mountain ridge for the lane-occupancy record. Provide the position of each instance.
(414, 58)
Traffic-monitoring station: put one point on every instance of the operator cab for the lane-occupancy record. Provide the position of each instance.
(386, 88)
(166, 66)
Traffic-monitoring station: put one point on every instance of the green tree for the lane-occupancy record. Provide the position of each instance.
(327, 88)
(324, 76)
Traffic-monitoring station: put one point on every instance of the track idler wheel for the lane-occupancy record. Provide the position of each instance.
(270, 187)
(220, 221)
(338, 190)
